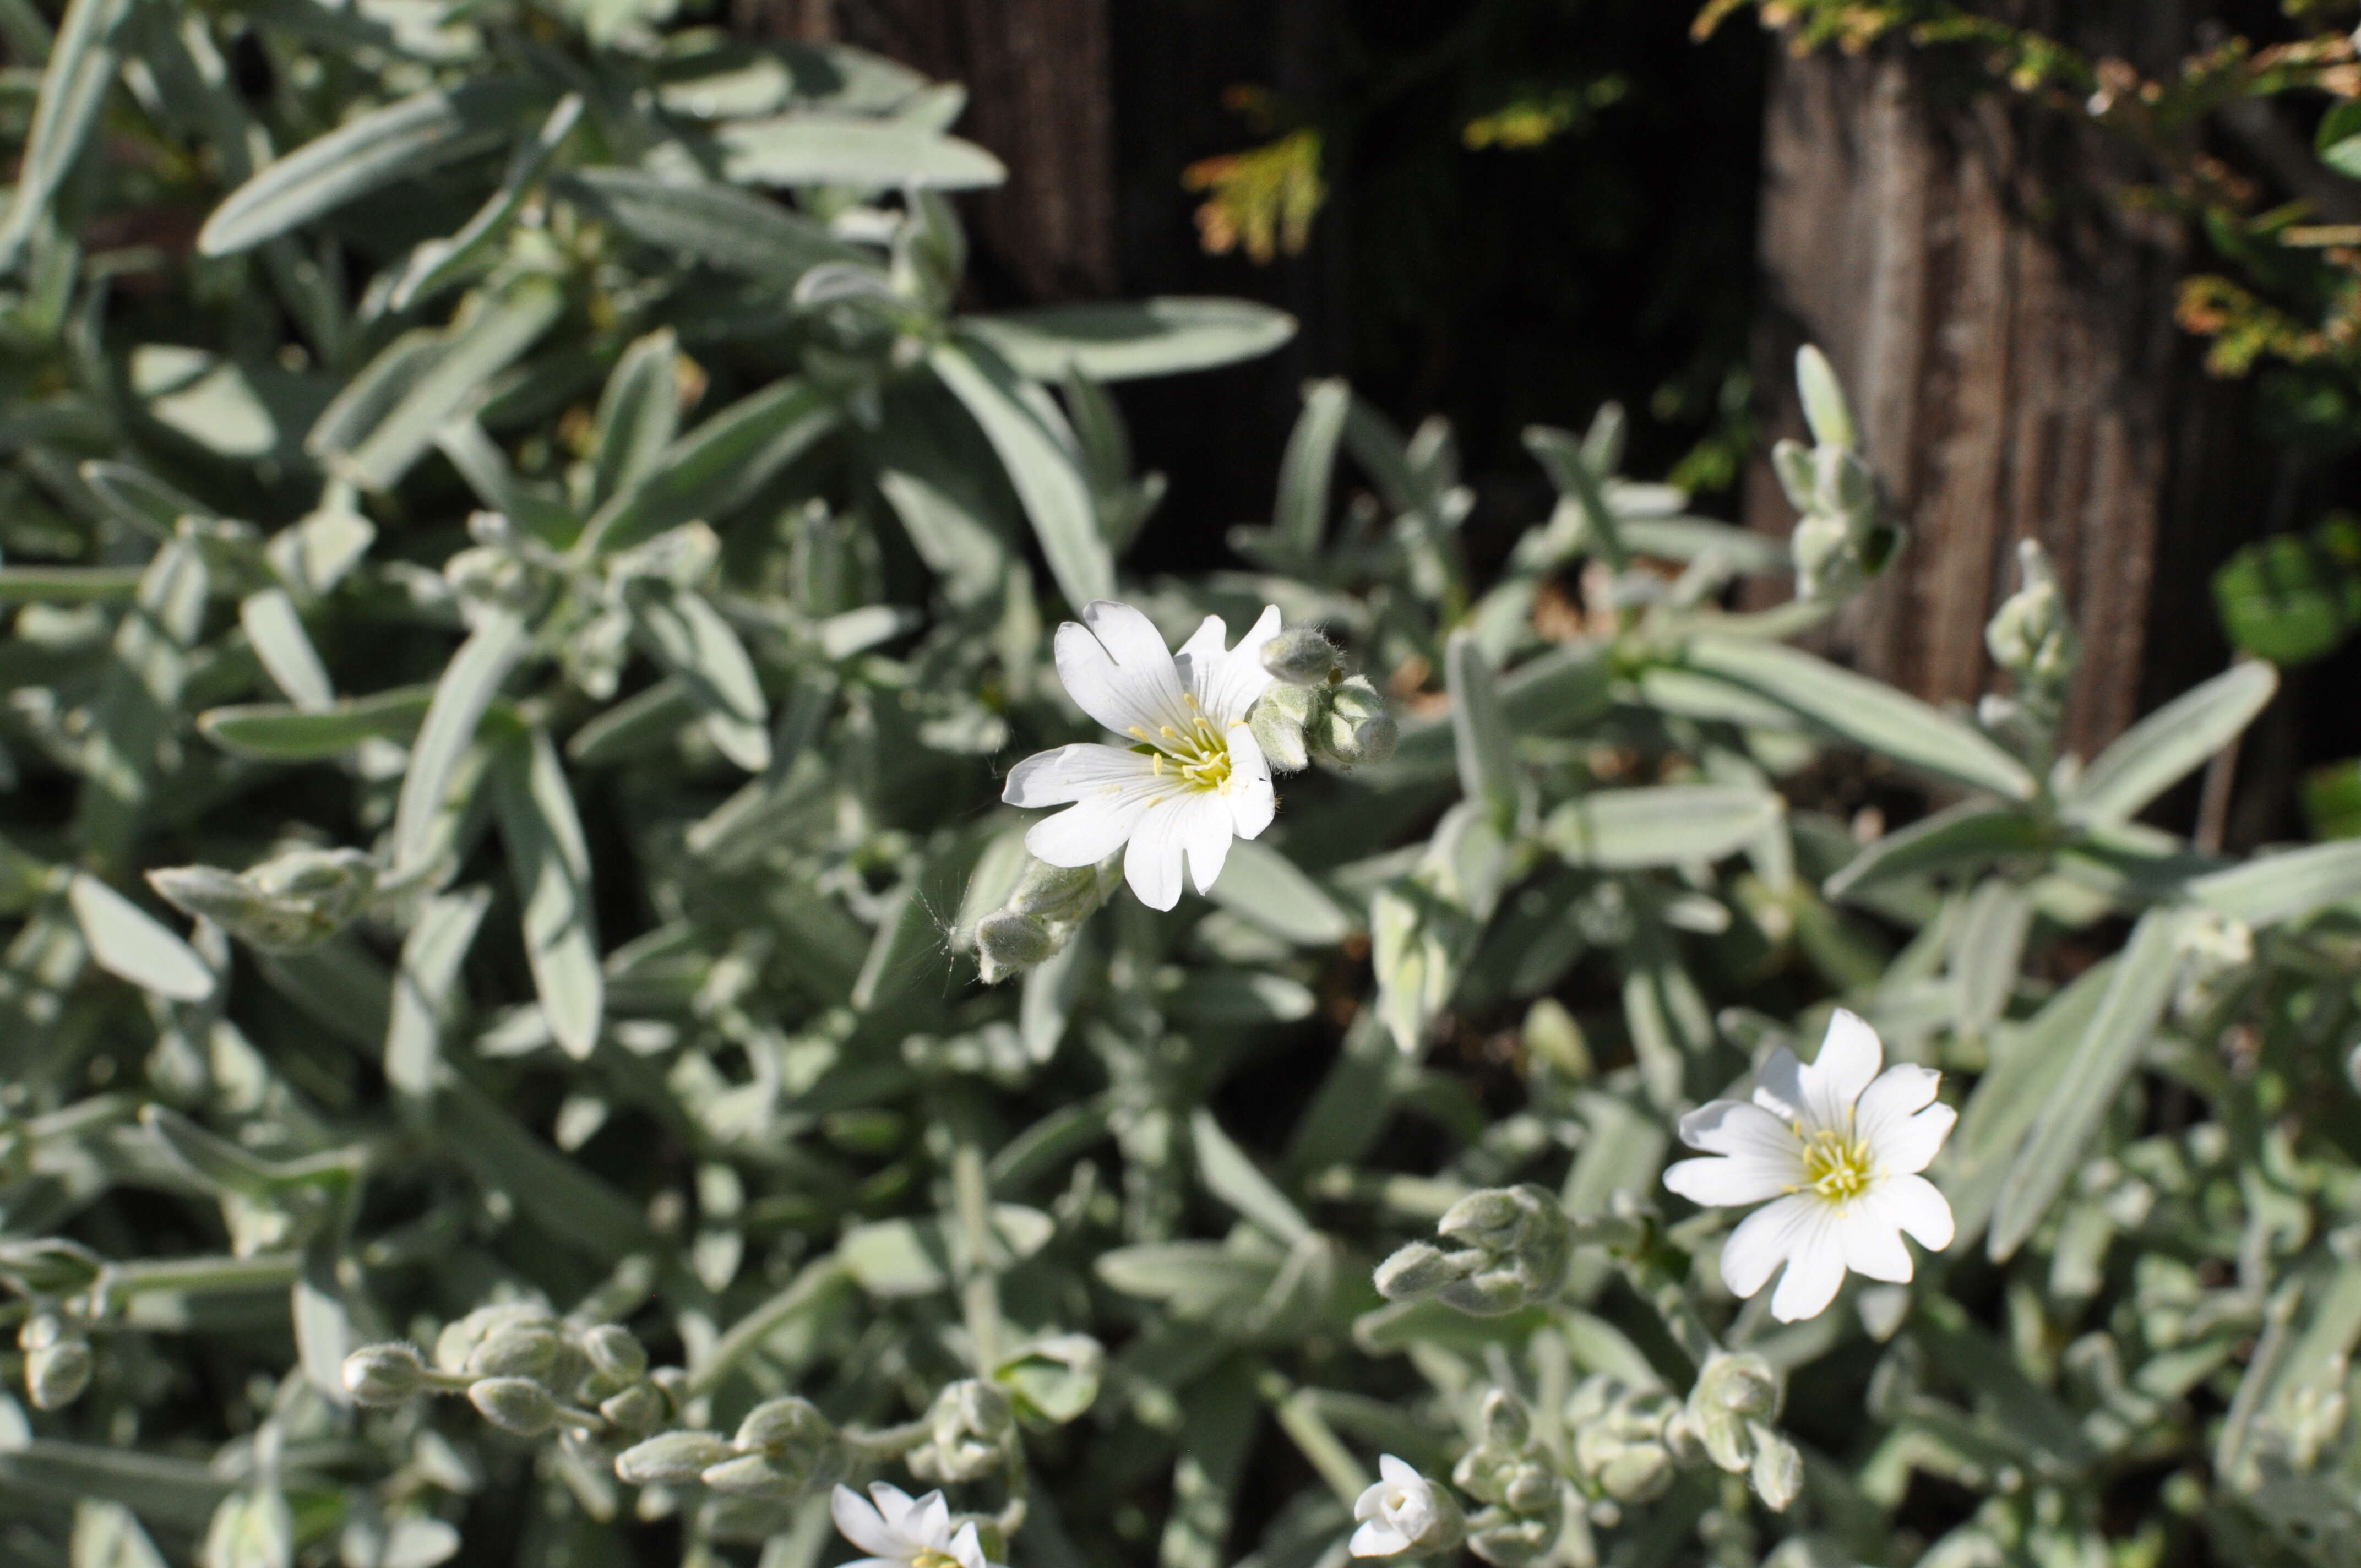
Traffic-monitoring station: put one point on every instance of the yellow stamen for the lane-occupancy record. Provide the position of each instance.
(1837, 1166)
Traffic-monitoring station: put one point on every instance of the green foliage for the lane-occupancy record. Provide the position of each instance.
(518, 629)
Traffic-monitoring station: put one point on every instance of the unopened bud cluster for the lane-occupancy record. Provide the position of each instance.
(1312, 711)
(1510, 1473)
(57, 1360)
(784, 1449)
(1041, 917)
(527, 1372)
(2031, 636)
(286, 903)
(1511, 1248)
(1839, 541)
(970, 1430)
(1727, 1421)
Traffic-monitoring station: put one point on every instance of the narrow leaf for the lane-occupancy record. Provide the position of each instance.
(1046, 481)
(466, 689)
(550, 863)
(275, 630)
(1122, 341)
(1660, 825)
(1481, 738)
(74, 85)
(130, 944)
(817, 149)
(2162, 749)
(280, 734)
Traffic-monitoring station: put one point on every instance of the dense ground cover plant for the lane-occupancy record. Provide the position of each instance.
(520, 636)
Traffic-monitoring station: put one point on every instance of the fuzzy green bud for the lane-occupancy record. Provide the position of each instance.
(1056, 893)
(1777, 1473)
(1419, 1270)
(516, 1405)
(615, 1352)
(1354, 726)
(385, 1373)
(800, 1446)
(672, 1458)
(458, 1340)
(637, 1408)
(2031, 636)
(750, 1475)
(1522, 1241)
(1008, 943)
(523, 1350)
(1299, 656)
(1277, 721)
(1511, 1540)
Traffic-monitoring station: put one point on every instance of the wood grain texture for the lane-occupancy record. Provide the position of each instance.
(2005, 331)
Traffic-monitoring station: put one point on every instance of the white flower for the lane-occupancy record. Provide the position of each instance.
(1838, 1146)
(1401, 1512)
(902, 1531)
(1191, 775)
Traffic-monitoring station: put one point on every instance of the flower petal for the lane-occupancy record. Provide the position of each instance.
(1248, 792)
(1392, 1469)
(967, 1547)
(1205, 834)
(863, 1525)
(895, 1504)
(1815, 1269)
(1088, 832)
(1377, 1539)
(1152, 863)
(1074, 772)
(1873, 1246)
(1909, 1146)
(1740, 1127)
(930, 1522)
(1892, 1098)
(1848, 1059)
(1226, 684)
(1779, 1087)
(1764, 1241)
(1116, 668)
(1912, 1203)
(1726, 1180)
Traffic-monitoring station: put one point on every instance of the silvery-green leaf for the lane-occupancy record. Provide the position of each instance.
(1481, 738)
(1261, 885)
(894, 1258)
(251, 1529)
(1988, 952)
(374, 391)
(467, 686)
(489, 334)
(1055, 498)
(2272, 888)
(1195, 1278)
(418, 134)
(1865, 711)
(718, 225)
(67, 585)
(550, 863)
(1299, 516)
(550, 1191)
(164, 1490)
(687, 636)
(716, 466)
(1234, 1177)
(638, 414)
(277, 633)
(821, 149)
(2163, 748)
(961, 548)
(424, 986)
(107, 1535)
(1414, 963)
(1970, 834)
(218, 1163)
(1560, 692)
(214, 401)
(1121, 341)
(138, 500)
(439, 264)
(1570, 469)
(74, 83)
(1659, 825)
(2061, 1140)
(130, 944)
(1694, 537)
(272, 732)
(1823, 400)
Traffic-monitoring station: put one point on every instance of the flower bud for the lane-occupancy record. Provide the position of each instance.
(637, 1408)
(1007, 943)
(801, 1446)
(1742, 1384)
(1509, 1540)
(516, 1405)
(1522, 1241)
(750, 1475)
(1054, 1379)
(385, 1373)
(2031, 636)
(672, 1458)
(1777, 1475)
(458, 1340)
(1277, 721)
(523, 1350)
(615, 1352)
(1299, 656)
(57, 1362)
(1056, 893)
(1420, 1269)
(1354, 727)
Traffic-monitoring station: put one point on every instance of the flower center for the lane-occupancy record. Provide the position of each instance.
(1837, 1166)
(930, 1557)
(1199, 754)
